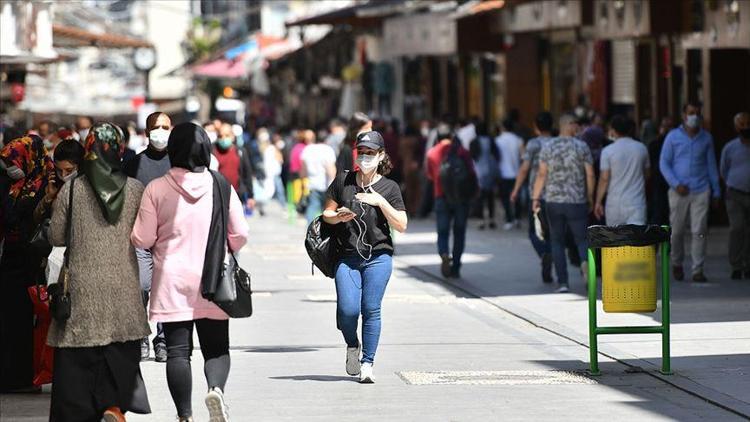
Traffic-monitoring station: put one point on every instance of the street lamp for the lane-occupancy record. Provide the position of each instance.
(144, 59)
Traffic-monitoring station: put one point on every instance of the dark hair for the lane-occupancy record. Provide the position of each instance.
(544, 121)
(695, 104)
(481, 128)
(386, 166)
(125, 135)
(69, 150)
(508, 124)
(620, 124)
(151, 119)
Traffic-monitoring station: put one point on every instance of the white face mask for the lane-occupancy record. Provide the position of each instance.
(211, 135)
(69, 177)
(159, 138)
(368, 163)
(693, 121)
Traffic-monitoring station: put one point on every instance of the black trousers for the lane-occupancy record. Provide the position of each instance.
(214, 340)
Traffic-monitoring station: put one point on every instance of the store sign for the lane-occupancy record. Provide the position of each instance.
(425, 34)
(541, 15)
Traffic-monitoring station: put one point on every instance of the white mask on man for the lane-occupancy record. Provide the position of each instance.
(159, 138)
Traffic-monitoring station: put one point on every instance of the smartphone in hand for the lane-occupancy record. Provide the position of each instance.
(345, 210)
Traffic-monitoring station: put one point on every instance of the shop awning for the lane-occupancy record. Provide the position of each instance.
(477, 7)
(361, 15)
(236, 62)
(71, 36)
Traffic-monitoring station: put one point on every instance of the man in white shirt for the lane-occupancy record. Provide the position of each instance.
(319, 167)
(511, 148)
(624, 167)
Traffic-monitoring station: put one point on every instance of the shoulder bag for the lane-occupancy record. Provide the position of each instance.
(59, 296)
(232, 292)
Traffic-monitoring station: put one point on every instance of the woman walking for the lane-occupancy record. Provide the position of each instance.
(97, 349)
(25, 174)
(363, 206)
(486, 157)
(181, 199)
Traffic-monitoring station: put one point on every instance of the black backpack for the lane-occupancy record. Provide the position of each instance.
(458, 182)
(322, 247)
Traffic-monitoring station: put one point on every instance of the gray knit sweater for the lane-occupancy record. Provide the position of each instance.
(107, 306)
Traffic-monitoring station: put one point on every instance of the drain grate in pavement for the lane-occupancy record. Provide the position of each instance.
(494, 378)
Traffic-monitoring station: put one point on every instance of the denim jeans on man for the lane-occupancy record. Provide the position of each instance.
(560, 216)
(360, 287)
(457, 215)
(315, 205)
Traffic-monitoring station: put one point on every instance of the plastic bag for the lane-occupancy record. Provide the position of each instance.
(43, 356)
(627, 235)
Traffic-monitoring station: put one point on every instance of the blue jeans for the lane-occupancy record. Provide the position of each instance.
(560, 217)
(540, 246)
(457, 214)
(360, 287)
(279, 191)
(315, 206)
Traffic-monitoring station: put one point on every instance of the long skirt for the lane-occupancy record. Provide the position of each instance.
(89, 380)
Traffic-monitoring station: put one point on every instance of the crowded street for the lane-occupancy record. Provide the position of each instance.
(402, 210)
(462, 351)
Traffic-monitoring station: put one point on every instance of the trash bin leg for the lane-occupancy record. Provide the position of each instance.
(666, 364)
(593, 345)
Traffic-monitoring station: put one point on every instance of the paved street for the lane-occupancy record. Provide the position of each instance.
(449, 353)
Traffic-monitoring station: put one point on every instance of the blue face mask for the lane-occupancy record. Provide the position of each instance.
(240, 141)
(224, 143)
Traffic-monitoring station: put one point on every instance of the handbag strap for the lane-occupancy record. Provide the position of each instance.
(68, 234)
(224, 208)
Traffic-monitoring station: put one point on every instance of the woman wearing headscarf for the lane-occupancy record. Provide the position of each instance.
(22, 185)
(184, 198)
(97, 350)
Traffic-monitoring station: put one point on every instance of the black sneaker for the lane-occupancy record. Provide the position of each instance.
(145, 349)
(455, 273)
(445, 267)
(547, 268)
(160, 352)
(699, 277)
(736, 275)
(493, 226)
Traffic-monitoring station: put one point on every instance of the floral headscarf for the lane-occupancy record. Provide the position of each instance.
(28, 154)
(101, 165)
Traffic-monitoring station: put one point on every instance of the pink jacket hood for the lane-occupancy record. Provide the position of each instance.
(192, 186)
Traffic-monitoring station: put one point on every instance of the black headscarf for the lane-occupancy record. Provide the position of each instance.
(101, 165)
(189, 147)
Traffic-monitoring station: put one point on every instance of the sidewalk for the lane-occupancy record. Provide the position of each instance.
(710, 322)
(444, 355)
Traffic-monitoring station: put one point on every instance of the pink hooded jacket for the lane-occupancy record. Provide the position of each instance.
(173, 222)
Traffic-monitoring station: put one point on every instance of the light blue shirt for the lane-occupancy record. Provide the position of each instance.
(735, 165)
(690, 161)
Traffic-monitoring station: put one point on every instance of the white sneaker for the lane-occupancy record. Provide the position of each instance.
(365, 376)
(562, 289)
(508, 226)
(217, 409)
(352, 360)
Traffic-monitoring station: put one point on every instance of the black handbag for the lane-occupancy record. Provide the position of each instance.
(233, 291)
(322, 247)
(59, 296)
(39, 239)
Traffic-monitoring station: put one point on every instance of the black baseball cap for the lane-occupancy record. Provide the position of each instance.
(371, 139)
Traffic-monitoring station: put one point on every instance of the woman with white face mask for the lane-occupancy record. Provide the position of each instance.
(363, 206)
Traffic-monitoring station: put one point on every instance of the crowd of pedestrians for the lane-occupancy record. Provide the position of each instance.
(116, 199)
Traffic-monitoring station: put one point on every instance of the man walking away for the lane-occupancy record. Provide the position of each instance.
(659, 204)
(566, 174)
(688, 163)
(735, 170)
(530, 167)
(150, 164)
(511, 149)
(454, 179)
(319, 167)
(622, 177)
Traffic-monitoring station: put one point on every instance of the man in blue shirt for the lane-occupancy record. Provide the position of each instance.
(688, 163)
(735, 170)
